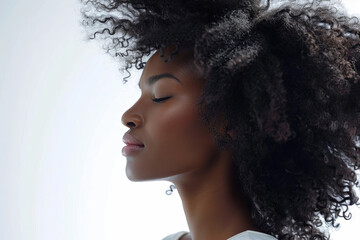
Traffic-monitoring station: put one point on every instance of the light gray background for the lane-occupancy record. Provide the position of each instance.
(61, 169)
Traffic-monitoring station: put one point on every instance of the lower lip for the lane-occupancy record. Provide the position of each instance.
(131, 149)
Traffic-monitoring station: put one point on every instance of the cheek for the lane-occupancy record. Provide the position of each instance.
(180, 137)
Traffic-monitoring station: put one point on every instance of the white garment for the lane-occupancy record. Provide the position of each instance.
(246, 235)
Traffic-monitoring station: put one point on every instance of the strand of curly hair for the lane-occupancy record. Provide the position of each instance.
(285, 80)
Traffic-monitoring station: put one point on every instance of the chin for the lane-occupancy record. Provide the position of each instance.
(135, 178)
(139, 178)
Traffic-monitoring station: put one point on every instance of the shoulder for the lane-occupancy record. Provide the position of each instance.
(175, 236)
(252, 235)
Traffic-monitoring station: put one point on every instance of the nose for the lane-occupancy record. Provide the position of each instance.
(131, 118)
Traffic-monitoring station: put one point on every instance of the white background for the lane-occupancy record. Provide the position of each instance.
(61, 170)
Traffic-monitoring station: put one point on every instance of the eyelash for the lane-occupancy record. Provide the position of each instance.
(157, 100)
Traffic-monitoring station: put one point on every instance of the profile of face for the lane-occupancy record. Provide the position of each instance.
(177, 144)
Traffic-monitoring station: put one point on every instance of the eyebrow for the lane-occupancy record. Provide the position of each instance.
(151, 80)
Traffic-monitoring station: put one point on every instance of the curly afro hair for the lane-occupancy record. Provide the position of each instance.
(284, 79)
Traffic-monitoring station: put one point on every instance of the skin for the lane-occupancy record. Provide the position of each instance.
(180, 149)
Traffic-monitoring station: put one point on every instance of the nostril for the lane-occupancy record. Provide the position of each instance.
(130, 124)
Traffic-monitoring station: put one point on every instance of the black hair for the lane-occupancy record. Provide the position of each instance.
(285, 80)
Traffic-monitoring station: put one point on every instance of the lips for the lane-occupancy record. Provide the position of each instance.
(129, 139)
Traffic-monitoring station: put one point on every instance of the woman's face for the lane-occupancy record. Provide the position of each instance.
(176, 142)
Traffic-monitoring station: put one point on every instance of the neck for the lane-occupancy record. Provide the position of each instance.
(213, 210)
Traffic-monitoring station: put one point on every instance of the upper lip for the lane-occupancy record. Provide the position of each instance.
(130, 139)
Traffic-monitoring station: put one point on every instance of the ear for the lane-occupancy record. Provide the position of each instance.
(232, 134)
(223, 126)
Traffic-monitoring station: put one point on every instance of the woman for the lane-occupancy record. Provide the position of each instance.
(253, 114)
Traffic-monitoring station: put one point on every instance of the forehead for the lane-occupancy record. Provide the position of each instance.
(181, 66)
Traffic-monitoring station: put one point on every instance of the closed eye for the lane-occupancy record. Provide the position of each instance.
(160, 99)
